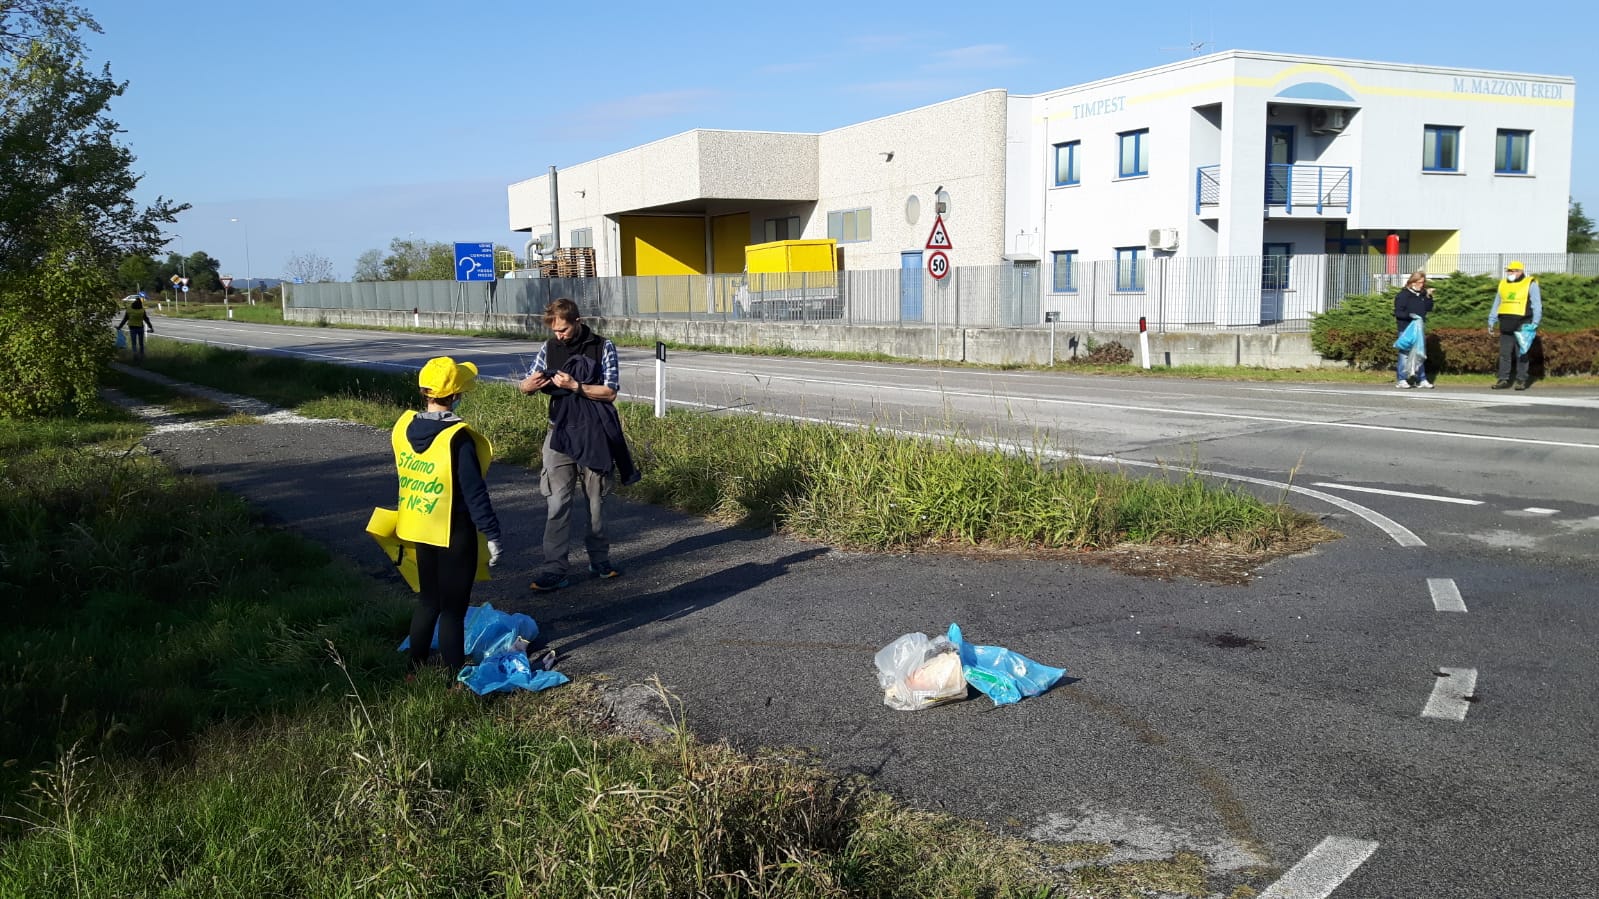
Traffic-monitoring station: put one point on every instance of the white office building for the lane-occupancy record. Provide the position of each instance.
(1226, 189)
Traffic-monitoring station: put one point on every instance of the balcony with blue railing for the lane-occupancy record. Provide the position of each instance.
(1207, 187)
(1310, 189)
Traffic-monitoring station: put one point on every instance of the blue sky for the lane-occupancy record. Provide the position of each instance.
(334, 126)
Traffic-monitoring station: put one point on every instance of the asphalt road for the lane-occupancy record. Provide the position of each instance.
(1302, 713)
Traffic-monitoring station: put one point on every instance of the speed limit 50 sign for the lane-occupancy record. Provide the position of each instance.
(938, 264)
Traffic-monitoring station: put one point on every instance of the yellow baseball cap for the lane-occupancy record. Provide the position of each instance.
(443, 376)
(1516, 267)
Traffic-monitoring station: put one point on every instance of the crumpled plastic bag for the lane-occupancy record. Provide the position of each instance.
(505, 672)
(1412, 347)
(916, 672)
(122, 340)
(1524, 337)
(1002, 675)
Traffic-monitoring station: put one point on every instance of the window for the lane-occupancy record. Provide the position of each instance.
(850, 225)
(1510, 152)
(1064, 265)
(582, 237)
(1130, 268)
(1067, 169)
(1440, 149)
(1275, 263)
(1134, 155)
(783, 229)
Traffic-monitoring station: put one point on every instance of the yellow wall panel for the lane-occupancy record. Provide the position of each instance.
(729, 234)
(662, 245)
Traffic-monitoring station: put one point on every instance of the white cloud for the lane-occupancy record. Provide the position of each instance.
(978, 56)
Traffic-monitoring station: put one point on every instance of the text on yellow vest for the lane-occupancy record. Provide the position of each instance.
(1513, 295)
(427, 482)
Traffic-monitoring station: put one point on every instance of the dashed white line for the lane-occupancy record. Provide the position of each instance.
(1321, 872)
(1451, 694)
(1445, 595)
(1535, 510)
(1402, 494)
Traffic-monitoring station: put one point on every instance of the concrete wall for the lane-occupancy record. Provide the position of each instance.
(989, 346)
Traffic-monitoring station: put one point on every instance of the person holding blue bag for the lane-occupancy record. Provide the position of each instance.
(1411, 304)
(1517, 310)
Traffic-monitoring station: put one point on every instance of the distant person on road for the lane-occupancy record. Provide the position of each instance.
(579, 371)
(137, 318)
(444, 508)
(1518, 302)
(1412, 302)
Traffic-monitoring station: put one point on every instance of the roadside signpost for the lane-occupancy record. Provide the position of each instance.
(938, 266)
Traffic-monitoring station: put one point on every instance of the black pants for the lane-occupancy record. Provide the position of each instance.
(136, 340)
(446, 575)
(1508, 351)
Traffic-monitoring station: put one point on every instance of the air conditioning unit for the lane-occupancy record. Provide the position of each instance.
(1163, 238)
(1328, 121)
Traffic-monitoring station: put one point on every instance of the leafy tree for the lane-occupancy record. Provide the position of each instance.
(67, 214)
(419, 260)
(368, 266)
(310, 268)
(1580, 234)
(136, 273)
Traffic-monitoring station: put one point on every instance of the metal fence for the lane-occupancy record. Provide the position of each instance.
(1186, 293)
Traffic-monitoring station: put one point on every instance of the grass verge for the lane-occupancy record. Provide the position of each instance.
(209, 707)
(865, 488)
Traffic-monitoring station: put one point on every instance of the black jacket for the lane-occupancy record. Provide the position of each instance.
(1410, 302)
(470, 507)
(590, 431)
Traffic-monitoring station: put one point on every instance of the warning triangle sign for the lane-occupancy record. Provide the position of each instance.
(939, 239)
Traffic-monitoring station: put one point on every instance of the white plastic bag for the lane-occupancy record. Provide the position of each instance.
(916, 672)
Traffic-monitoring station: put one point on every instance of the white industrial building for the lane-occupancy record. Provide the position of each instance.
(1225, 189)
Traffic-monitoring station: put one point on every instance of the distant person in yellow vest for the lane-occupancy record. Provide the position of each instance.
(1518, 302)
(444, 508)
(137, 318)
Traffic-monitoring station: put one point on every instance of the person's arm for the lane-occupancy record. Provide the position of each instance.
(1493, 310)
(1535, 301)
(149, 321)
(123, 322)
(535, 380)
(474, 490)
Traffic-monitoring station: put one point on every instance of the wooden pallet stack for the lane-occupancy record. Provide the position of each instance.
(574, 262)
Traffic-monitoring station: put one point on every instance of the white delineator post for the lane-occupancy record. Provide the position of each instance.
(416, 316)
(660, 379)
(1143, 339)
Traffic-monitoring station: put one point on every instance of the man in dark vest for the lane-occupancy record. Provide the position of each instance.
(579, 371)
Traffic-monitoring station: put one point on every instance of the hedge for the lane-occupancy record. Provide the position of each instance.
(1361, 329)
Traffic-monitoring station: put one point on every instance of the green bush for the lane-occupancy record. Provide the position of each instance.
(1361, 329)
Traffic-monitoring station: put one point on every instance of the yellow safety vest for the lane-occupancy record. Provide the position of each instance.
(135, 318)
(427, 485)
(1513, 295)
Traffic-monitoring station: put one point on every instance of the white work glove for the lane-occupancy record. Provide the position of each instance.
(494, 553)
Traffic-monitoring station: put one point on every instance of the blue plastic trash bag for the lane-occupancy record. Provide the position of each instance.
(1412, 337)
(1524, 337)
(489, 631)
(505, 672)
(1002, 675)
(122, 340)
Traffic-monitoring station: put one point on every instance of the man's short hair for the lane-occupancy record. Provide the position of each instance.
(563, 309)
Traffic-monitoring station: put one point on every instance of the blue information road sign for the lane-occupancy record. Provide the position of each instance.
(474, 262)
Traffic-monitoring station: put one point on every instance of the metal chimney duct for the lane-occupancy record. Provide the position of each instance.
(555, 212)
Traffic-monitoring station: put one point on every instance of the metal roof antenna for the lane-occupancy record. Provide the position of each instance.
(1194, 47)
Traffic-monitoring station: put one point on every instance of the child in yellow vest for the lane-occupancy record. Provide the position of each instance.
(444, 507)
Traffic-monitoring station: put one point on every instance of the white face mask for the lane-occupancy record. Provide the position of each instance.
(1514, 276)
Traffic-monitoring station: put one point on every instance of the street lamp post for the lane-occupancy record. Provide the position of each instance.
(249, 281)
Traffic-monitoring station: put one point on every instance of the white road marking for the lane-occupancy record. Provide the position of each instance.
(1538, 511)
(1403, 494)
(1445, 595)
(988, 396)
(1449, 694)
(1321, 872)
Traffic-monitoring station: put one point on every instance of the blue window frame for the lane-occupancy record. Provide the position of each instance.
(1440, 148)
(1510, 152)
(1133, 156)
(1275, 265)
(1063, 267)
(1067, 163)
(1130, 268)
